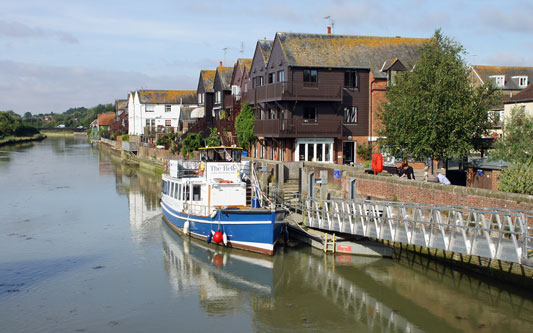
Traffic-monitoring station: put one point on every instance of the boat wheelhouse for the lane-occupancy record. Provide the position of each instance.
(217, 198)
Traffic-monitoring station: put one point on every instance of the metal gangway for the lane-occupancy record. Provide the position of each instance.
(493, 233)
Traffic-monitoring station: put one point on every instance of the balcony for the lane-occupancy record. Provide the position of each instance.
(297, 91)
(285, 128)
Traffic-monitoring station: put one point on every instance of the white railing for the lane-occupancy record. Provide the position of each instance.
(502, 234)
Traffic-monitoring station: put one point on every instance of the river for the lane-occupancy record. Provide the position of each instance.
(83, 249)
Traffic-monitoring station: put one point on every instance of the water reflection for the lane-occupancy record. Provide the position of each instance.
(301, 288)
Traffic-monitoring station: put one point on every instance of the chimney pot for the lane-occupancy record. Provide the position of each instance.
(329, 30)
(221, 64)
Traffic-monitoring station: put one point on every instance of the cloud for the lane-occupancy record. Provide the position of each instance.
(42, 89)
(20, 30)
(514, 20)
(509, 59)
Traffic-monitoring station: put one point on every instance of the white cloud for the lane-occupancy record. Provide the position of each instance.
(42, 89)
(20, 30)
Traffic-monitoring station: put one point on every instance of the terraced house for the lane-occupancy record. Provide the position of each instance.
(316, 95)
(157, 111)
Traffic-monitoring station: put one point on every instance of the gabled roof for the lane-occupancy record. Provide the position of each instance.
(106, 119)
(485, 72)
(346, 51)
(244, 64)
(525, 95)
(208, 78)
(394, 64)
(224, 75)
(167, 96)
(265, 46)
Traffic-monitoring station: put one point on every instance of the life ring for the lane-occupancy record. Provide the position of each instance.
(226, 181)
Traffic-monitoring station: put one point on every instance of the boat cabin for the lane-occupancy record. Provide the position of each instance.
(221, 154)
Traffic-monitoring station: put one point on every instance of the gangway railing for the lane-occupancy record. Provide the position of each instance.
(494, 233)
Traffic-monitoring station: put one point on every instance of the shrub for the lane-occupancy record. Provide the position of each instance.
(517, 178)
(364, 151)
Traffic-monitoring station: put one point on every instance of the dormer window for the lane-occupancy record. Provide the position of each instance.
(521, 80)
(218, 97)
(200, 98)
(499, 80)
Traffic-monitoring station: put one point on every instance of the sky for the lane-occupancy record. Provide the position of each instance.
(58, 54)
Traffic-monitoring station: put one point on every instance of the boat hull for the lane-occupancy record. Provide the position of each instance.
(249, 229)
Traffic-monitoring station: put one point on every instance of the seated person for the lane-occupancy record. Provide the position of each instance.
(406, 170)
(442, 177)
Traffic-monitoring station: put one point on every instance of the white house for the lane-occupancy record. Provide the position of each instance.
(158, 110)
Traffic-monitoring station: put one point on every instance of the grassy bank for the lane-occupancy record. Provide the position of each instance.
(21, 139)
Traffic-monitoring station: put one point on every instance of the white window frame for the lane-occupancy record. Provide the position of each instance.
(218, 97)
(150, 108)
(168, 108)
(522, 80)
(499, 80)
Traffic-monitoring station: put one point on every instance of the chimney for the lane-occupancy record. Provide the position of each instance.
(329, 30)
(221, 64)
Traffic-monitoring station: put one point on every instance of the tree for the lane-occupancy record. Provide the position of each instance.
(516, 144)
(192, 142)
(516, 147)
(434, 110)
(213, 139)
(244, 126)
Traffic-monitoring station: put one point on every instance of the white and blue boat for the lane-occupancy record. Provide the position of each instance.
(218, 199)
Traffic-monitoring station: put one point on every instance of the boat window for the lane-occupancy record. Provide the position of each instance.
(186, 196)
(196, 192)
(163, 188)
(179, 191)
(173, 190)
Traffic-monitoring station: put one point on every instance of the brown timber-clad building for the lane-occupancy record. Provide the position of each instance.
(316, 95)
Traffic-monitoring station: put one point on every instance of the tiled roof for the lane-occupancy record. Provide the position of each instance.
(121, 104)
(525, 95)
(208, 76)
(167, 96)
(346, 51)
(484, 72)
(265, 46)
(244, 64)
(224, 73)
(106, 119)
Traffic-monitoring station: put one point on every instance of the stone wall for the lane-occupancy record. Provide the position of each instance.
(394, 188)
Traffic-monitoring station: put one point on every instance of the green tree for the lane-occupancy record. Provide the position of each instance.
(516, 147)
(244, 126)
(11, 125)
(192, 142)
(213, 139)
(434, 110)
(516, 144)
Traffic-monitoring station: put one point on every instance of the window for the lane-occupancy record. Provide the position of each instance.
(281, 76)
(350, 115)
(271, 78)
(168, 122)
(150, 107)
(499, 80)
(310, 76)
(200, 98)
(168, 108)
(351, 79)
(196, 192)
(218, 97)
(521, 80)
(246, 87)
(179, 191)
(309, 114)
(258, 81)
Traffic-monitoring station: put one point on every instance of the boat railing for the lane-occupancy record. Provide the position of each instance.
(197, 209)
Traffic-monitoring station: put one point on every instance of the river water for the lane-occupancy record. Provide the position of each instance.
(83, 249)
